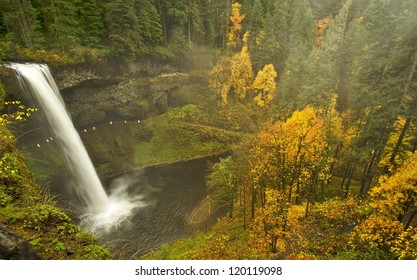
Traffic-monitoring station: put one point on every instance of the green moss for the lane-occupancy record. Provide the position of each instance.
(182, 134)
(96, 252)
(40, 215)
(49, 165)
(226, 240)
(5, 198)
(179, 249)
(58, 245)
(29, 213)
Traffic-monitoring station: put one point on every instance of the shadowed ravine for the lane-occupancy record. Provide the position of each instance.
(133, 213)
(177, 207)
(100, 212)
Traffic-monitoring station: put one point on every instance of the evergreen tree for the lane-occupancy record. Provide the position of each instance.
(173, 16)
(221, 21)
(379, 82)
(310, 75)
(325, 8)
(294, 72)
(91, 23)
(408, 23)
(19, 19)
(123, 28)
(60, 22)
(294, 27)
(149, 27)
(321, 78)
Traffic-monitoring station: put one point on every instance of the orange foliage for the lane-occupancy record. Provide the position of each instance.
(265, 85)
(275, 228)
(234, 34)
(390, 201)
(321, 25)
(292, 153)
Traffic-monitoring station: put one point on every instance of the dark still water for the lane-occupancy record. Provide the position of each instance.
(177, 206)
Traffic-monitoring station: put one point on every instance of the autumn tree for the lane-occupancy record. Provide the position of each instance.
(386, 231)
(233, 77)
(293, 157)
(241, 74)
(219, 79)
(235, 32)
(265, 86)
(270, 224)
(276, 228)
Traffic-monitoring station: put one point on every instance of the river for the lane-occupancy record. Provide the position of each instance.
(177, 207)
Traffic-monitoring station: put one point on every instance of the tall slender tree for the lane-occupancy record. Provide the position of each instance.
(20, 18)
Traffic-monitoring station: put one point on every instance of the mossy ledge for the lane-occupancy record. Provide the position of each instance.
(28, 212)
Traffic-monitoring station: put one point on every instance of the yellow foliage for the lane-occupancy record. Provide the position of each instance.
(265, 86)
(390, 200)
(405, 246)
(293, 152)
(276, 228)
(307, 130)
(234, 33)
(396, 193)
(337, 209)
(301, 256)
(232, 75)
(219, 79)
(241, 74)
(21, 112)
(376, 233)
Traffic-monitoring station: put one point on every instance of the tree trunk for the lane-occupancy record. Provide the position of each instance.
(345, 175)
(411, 219)
(411, 110)
(244, 207)
(350, 176)
(400, 141)
(189, 30)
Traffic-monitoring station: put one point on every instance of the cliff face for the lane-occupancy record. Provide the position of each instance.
(94, 93)
(97, 94)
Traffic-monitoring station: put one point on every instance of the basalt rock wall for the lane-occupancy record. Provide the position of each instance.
(95, 93)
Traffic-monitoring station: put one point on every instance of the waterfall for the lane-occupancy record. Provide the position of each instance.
(37, 80)
(101, 210)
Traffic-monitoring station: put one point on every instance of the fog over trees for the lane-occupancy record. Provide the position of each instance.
(325, 90)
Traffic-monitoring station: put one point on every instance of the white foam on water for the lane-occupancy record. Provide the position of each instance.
(102, 212)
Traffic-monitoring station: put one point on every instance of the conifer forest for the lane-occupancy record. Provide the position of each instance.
(304, 110)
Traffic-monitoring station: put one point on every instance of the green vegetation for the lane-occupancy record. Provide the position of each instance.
(28, 211)
(183, 133)
(68, 31)
(330, 174)
(191, 134)
(315, 101)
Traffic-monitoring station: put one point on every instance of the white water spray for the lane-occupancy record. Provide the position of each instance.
(102, 211)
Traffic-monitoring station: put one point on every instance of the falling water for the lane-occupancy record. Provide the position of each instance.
(37, 80)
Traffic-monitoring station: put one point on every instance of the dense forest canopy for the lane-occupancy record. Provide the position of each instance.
(331, 86)
(126, 29)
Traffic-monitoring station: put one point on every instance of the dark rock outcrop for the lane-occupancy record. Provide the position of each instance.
(100, 92)
(13, 247)
(96, 100)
